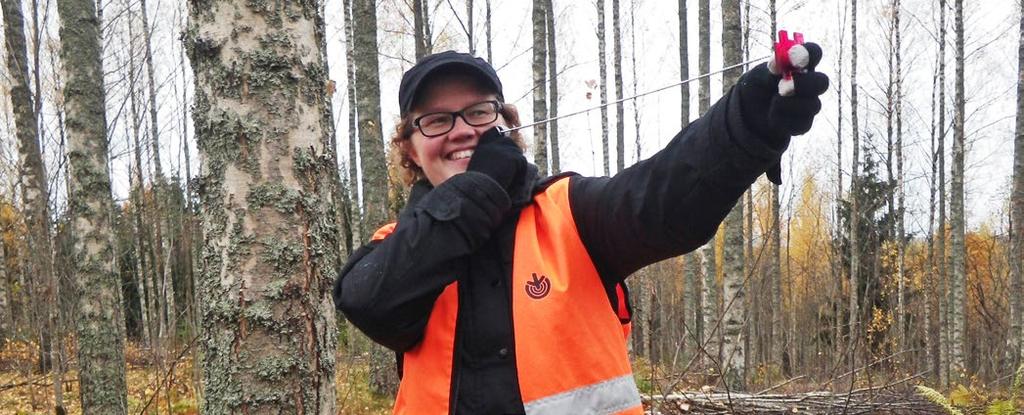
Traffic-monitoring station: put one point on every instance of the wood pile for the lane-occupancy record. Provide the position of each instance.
(868, 401)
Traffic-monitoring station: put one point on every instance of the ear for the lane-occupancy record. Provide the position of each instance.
(410, 149)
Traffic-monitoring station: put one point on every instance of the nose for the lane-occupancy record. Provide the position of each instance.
(461, 130)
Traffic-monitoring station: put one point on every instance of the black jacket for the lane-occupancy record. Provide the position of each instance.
(464, 230)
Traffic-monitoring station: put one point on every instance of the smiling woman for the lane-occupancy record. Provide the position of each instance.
(490, 264)
(429, 131)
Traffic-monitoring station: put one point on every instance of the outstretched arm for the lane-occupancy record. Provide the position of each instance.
(673, 202)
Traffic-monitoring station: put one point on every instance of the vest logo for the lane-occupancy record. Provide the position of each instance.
(539, 287)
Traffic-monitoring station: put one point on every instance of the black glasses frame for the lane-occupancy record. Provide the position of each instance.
(498, 106)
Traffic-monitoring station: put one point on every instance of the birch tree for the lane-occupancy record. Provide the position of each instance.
(733, 301)
(421, 28)
(487, 30)
(384, 376)
(553, 84)
(1017, 207)
(33, 178)
(711, 333)
(602, 63)
(691, 282)
(161, 244)
(684, 66)
(262, 126)
(854, 308)
(940, 249)
(540, 92)
(100, 333)
(956, 208)
(620, 126)
(901, 191)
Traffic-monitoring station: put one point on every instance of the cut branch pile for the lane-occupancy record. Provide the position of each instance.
(867, 401)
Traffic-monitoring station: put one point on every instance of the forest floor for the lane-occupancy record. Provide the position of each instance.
(24, 392)
(152, 390)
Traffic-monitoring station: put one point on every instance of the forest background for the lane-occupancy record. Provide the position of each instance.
(867, 201)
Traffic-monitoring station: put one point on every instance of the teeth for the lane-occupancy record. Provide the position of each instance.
(462, 154)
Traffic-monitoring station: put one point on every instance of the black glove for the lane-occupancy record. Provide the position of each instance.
(499, 157)
(776, 117)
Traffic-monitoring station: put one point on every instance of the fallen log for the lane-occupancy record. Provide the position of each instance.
(864, 401)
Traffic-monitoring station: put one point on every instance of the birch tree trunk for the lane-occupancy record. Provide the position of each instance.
(419, 28)
(540, 88)
(553, 79)
(941, 248)
(684, 66)
(854, 308)
(932, 292)
(733, 298)
(776, 351)
(32, 176)
(353, 130)
(620, 126)
(1017, 215)
(384, 376)
(901, 191)
(710, 290)
(161, 248)
(100, 333)
(263, 131)
(837, 270)
(603, 82)
(704, 55)
(691, 283)
(469, 27)
(487, 30)
(712, 333)
(147, 267)
(957, 306)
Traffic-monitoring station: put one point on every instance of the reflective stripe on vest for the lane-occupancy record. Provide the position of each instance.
(570, 346)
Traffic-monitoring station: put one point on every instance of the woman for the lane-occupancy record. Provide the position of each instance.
(504, 291)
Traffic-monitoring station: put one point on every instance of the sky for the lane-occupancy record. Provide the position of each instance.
(990, 74)
(990, 82)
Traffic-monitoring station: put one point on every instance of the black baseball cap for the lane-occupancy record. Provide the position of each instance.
(441, 62)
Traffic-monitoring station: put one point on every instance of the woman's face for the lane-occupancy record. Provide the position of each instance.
(446, 155)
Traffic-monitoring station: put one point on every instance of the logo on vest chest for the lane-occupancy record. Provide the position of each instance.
(539, 287)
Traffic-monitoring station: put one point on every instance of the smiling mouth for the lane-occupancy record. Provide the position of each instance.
(461, 154)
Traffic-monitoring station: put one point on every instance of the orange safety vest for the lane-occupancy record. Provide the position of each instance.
(570, 345)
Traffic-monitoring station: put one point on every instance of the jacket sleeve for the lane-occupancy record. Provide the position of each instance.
(388, 287)
(673, 202)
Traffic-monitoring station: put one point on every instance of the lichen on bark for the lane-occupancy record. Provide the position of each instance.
(268, 259)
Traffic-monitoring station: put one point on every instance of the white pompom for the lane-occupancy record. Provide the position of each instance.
(787, 87)
(799, 57)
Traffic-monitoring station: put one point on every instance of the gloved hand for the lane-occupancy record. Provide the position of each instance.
(777, 117)
(499, 157)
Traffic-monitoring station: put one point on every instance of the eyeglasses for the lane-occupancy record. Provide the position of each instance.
(439, 123)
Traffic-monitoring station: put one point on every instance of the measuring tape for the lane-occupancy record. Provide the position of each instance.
(790, 56)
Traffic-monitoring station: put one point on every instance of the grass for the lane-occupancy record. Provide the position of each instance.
(23, 392)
